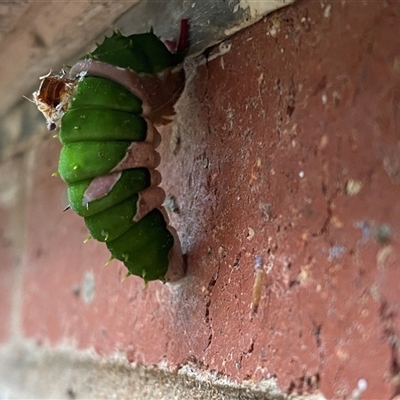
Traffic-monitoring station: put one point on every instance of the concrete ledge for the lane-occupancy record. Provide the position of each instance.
(28, 371)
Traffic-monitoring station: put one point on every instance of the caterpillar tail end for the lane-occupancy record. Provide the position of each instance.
(176, 267)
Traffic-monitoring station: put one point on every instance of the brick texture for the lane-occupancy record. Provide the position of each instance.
(284, 163)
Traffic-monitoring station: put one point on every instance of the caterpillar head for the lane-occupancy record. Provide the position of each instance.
(53, 96)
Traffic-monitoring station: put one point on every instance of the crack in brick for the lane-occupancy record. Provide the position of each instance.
(214, 279)
(291, 97)
(207, 318)
(307, 384)
(206, 104)
(313, 382)
(317, 334)
(243, 354)
(303, 385)
(387, 317)
(323, 230)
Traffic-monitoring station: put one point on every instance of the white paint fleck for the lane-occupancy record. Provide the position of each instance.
(274, 28)
(323, 142)
(88, 287)
(362, 384)
(336, 96)
(223, 48)
(254, 10)
(327, 11)
(353, 187)
(250, 233)
(361, 388)
(260, 8)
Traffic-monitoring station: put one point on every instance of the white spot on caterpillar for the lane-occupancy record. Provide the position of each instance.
(105, 234)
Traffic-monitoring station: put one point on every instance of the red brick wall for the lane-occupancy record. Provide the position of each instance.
(284, 160)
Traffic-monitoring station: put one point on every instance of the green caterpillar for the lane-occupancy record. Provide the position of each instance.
(107, 111)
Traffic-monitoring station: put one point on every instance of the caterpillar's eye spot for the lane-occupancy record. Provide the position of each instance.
(51, 126)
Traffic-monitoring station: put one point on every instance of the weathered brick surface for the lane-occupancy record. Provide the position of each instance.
(6, 280)
(302, 146)
(8, 198)
(284, 160)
